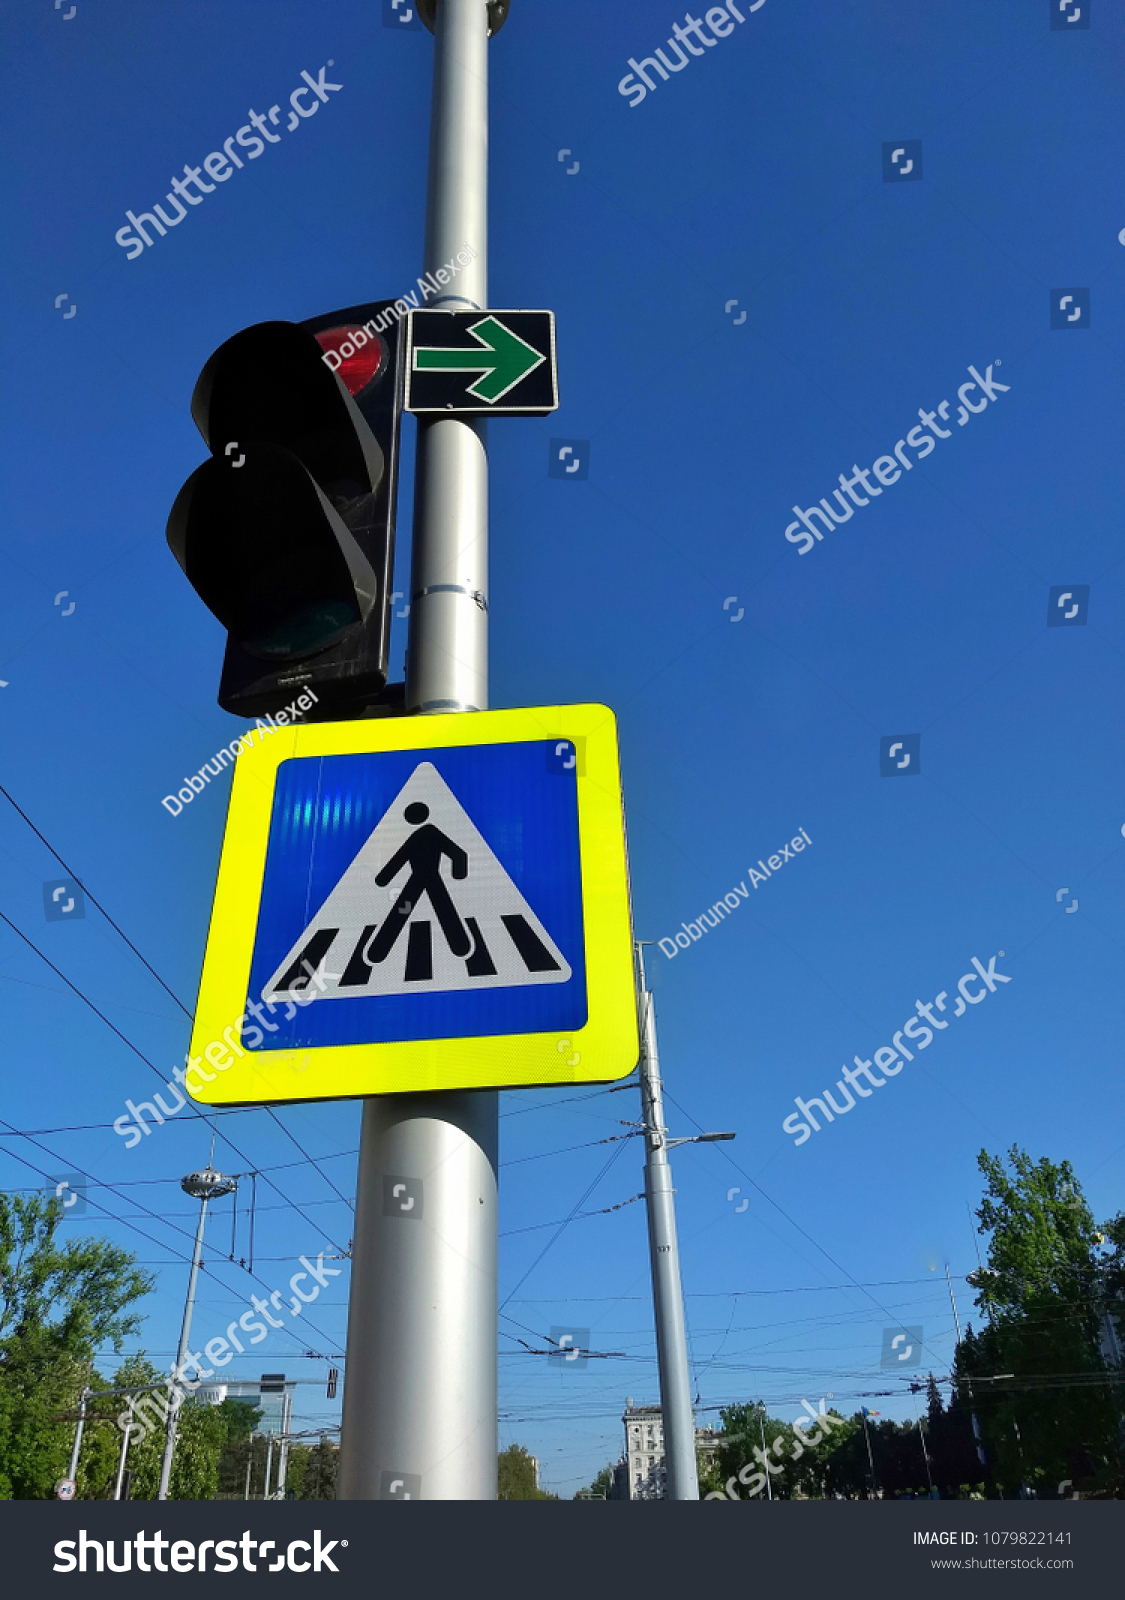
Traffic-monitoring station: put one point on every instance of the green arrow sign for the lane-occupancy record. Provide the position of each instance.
(504, 359)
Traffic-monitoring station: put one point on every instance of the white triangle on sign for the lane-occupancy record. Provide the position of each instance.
(446, 915)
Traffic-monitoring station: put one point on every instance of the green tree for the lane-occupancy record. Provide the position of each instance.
(515, 1473)
(1043, 1293)
(599, 1489)
(319, 1475)
(58, 1304)
(800, 1460)
(954, 1460)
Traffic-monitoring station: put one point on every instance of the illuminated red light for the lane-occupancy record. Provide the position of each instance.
(362, 355)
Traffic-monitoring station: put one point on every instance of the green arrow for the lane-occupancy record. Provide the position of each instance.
(504, 358)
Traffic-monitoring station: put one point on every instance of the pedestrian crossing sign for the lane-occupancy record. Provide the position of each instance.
(420, 903)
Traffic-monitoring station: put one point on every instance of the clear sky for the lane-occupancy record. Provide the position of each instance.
(754, 683)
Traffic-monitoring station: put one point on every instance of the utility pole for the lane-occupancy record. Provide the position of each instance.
(80, 1428)
(926, 1456)
(681, 1476)
(762, 1429)
(420, 1385)
(870, 1457)
(977, 1440)
(202, 1186)
(283, 1441)
(117, 1487)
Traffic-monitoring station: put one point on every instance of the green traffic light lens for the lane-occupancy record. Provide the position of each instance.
(311, 629)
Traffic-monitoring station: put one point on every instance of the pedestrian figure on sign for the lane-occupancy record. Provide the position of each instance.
(423, 853)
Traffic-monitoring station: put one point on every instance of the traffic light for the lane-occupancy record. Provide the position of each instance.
(287, 532)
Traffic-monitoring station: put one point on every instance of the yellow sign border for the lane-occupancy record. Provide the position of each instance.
(607, 1048)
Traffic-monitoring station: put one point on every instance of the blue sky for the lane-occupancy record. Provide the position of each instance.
(753, 175)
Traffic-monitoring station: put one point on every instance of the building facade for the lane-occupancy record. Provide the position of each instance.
(640, 1474)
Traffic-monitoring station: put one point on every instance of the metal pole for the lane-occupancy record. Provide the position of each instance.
(953, 1303)
(926, 1456)
(174, 1394)
(283, 1442)
(420, 1386)
(249, 1464)
(128, 1428)
(762, 1427)
(977, 1439)
(870, 1459)
(72, 1471)
(682, 1479)
(269, 1467)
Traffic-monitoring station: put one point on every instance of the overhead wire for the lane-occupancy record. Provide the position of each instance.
(153, 1068)
(162, 1243)
(149, 968)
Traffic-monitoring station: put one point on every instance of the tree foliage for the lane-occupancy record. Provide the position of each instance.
(1052, 1415)
(58, 1304)
(515, 1474)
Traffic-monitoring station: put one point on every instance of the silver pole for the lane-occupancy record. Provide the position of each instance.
(682, 1480)
(128, 1428)
(269, 1467)
(174, 1394)
(419, 1407)
(283, 1442)
(972, 1407)
(72, 1470)
(762, 1429)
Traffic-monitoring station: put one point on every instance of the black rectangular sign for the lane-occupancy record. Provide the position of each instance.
(492, 363)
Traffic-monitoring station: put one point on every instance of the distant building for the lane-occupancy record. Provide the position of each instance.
(640, 1474)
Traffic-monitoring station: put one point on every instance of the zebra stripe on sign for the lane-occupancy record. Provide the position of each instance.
(424, 907)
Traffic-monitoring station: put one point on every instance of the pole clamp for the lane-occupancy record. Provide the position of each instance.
(451, 588)
(497, 14)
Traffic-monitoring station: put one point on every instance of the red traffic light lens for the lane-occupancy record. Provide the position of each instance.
(359, 355)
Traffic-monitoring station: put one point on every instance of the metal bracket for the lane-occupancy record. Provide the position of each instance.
(497, 14)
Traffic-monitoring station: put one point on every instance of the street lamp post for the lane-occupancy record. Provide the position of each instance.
(202, 1186)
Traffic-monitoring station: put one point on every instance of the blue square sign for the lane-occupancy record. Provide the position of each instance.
(419, 894)
(415, 904)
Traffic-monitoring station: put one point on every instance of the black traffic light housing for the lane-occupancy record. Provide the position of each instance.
(287, 532)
